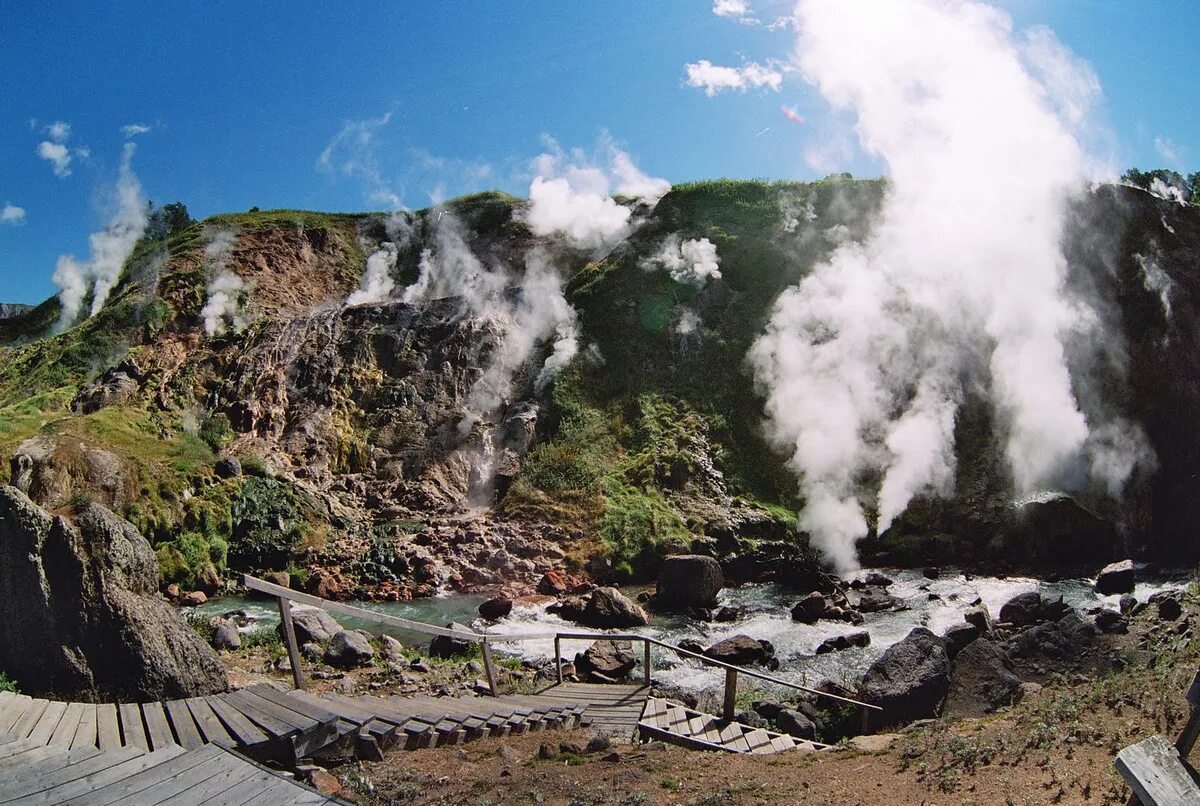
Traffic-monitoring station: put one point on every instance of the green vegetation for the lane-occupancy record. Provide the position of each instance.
(1188, 185)
(8, 684)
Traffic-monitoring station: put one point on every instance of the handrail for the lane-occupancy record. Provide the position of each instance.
(485, 639)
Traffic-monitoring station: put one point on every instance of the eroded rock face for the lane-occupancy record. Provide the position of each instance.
(50, 470)
(81, 612)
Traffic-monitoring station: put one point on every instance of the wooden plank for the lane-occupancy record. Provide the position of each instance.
(84, 787)
(1155, 773)
(182, 724)
(311, 707)
(85, 736)
(19, 778)
(213, 790)
(244, 732)
(270, 716)
(37, 753)
(108, 727)
(44, 781)
(15, 747)
(269, 790)
(209, 723)
(12, 710)
(215, 764)
(30, 718)
(45, 726)
(64, 732)
(157, 729)
(133, 733)
(123, 791)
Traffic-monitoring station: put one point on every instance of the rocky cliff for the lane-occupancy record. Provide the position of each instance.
(272, 426)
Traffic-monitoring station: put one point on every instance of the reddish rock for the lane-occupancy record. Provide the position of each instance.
(279, 578)
(194, 599)
(554, 583)
(324, 584)
(326, 783)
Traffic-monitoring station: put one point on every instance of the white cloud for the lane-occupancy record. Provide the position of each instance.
(353, 153)
(59, 131)
(714, 78)
(58, 155)
(731, 8)
(12, 214)
(1167, 149)
(134, 129)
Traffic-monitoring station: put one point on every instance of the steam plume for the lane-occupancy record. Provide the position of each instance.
(692, 261)
(226, 290)
(961, 285)
(377, 282)
(571, 194)
(110, 248)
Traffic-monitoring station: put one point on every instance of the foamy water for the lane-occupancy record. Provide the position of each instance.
(767, 616)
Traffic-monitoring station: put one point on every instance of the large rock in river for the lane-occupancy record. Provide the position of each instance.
(1116, 578)
(688, 581)
(909, 681)
(81, 613)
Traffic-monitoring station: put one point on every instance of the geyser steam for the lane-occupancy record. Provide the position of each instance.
(960, 287)
(110, 248)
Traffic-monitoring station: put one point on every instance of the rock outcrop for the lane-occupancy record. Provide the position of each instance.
(81, 611)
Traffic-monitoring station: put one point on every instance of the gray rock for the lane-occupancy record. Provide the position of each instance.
(837, 643)
(311, 651)
(1022, 610)
(225, 636)
(809, 609)
(740, 650)
(909, 681)
(751, 718)
(688, 581)
(82, 615)
(228, 468)
(348, 649)
(1116, 578)
(444, 646)
(1110, 621)
(982, 680)
(311, 624)
(958, 636)
(1169, 604)
(980, 617)
(1127, 603)
(611, 660)
(794, 723)
(608, 607)
(390, 648)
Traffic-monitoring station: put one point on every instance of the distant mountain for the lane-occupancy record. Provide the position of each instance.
(11, 309)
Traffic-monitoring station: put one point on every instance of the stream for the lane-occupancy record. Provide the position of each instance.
(767, 615)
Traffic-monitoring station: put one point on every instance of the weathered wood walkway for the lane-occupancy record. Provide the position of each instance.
(36, 773)
(682, 726)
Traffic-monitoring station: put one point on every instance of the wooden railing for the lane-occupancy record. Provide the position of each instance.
(485, 640)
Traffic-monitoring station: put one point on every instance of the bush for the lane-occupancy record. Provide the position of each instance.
(217, 432)
(269, 519)
(8, 684)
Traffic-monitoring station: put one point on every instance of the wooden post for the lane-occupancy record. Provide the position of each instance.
(1189, 734)
(730, 694)
(646, 661)
(289, 638)
(487, 666)
(558, 658)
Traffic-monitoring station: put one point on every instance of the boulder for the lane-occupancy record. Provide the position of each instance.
(609, 660)
(982, 680)
(809, 609)
(311, 624)
(958, 636)
(876, 601)
(741, 650)
(909, 681)
(193, 599)
(688, 581)
(445, 646)
(837, 643)
(280, 578)
(496, 608)
(1110, 621)
(81, 612)
(348, 649)
(608, 607)
(225, 636)
(1170, 606)
(390, 648)
(1127, 603)
(868, 579)
(979, 617)
(794, 723)
(1030, 608)
(1115, 578)
(228, 468)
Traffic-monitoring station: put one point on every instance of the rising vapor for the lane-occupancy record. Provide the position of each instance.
(226, 290)
(110, 248)
(960, 287)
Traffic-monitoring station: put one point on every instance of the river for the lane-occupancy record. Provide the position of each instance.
(933, 603)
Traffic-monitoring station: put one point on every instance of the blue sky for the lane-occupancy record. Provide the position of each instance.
(242, 98)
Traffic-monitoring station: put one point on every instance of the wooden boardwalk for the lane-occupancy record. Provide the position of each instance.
(35, 773)
(682, 726)
(611, 709)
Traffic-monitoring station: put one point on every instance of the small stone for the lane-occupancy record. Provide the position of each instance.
(597, 744)
(1110, 621)
(505, 774)
(612, 757)
(419, 665)
(931, 572)
(570, 749)
(875, 743)
(508, 754)
(311, 650)
(1127, 603)
(325, 782)
(545, 752)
